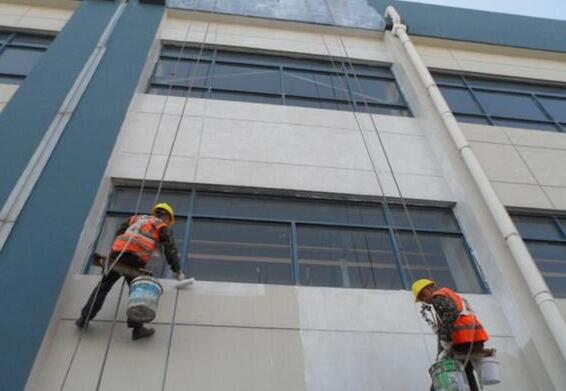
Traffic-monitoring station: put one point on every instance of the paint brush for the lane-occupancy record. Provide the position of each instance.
(185, 283)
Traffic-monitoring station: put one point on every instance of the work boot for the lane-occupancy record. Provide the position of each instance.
(81, 322)
(142, 332)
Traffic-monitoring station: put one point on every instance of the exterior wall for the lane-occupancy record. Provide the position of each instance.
(184, 26)
(492, 60)
(502, 274)
(524, 166)
(243, 144)
(30, 16)
(229, 336)
(36, 15)
(92, 128)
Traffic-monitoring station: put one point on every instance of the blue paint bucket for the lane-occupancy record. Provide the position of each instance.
(144, 299)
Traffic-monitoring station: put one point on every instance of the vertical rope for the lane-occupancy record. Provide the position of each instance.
(366, 144)
(385, 154)
(185, 104)
(107, 269)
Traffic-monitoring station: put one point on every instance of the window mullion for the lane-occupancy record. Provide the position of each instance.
(475, 98)
(187, 234)
(561, 228)
(396, 247)
(282, 85)
(545, 112)
(296, 270)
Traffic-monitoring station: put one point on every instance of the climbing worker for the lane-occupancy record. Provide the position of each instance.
(459, 331)
(136, 240)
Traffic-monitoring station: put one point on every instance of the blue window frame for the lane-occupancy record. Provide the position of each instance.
(545, 236)
(19, 52)
(273, 79)
(311, 242)
(502, 102)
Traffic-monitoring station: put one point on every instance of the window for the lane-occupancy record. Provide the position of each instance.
(262, 78)
(545, 236)
(503, 102)
(19, 53)
(289, 240)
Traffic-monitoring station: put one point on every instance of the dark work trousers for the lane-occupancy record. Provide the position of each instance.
(98, 295)
(464, 349)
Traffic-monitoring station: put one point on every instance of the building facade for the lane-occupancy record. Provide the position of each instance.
(320, 157)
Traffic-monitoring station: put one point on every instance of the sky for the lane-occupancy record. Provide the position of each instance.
(552, 9)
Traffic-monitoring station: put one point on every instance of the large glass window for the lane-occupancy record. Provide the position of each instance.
(545, 236)
(350, 257)
(262, 78)
(503, 102)
(19, 53)
(311, 242)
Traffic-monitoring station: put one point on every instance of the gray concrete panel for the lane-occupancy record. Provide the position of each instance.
(235, 359)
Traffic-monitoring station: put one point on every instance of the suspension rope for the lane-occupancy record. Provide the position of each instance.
(108, 268)
(138, 204)
(377, 132)
(364, 139)
(397, 186)
(183, 111)
(185, 104)
(386, 156)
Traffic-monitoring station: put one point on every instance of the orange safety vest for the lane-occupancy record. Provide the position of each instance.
(141, 237)
(467, 328)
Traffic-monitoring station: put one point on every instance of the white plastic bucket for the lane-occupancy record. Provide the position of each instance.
(489, 371)
(143, 299)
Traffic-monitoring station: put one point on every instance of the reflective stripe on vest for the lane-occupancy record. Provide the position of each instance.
(467, 328)
(141, 237)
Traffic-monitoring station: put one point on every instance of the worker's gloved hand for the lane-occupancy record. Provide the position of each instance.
(180, 276)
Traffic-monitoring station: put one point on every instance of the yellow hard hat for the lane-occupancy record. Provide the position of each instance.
(167, 208)
(419, 285)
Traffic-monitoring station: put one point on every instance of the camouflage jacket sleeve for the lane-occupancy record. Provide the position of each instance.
(448, 313)
(170, 249)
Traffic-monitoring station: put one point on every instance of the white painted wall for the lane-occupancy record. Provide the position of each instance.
(229, 336)
(6, 93)
(492, 60)
(245, 144)
(38, 15)
(524, 166)
(501, 272)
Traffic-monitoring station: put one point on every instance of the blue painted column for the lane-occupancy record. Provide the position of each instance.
(35, 260)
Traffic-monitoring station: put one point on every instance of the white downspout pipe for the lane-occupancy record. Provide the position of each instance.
(536, 284)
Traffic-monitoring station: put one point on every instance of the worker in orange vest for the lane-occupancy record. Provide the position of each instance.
(135, 242)
(459, 330)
